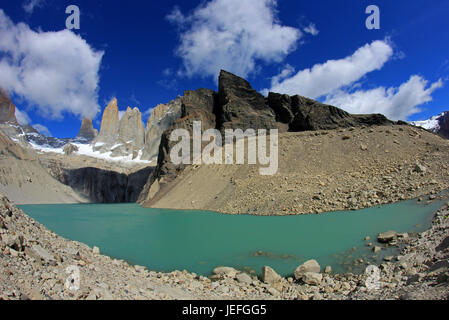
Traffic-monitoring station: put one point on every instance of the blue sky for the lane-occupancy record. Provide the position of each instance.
(148, 52)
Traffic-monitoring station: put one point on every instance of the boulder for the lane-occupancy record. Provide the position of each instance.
(244, 278)
(270, 276)
(40, 254)
(13, 242)
(420, 168)
(308, 266)
(70, 149)
(377, 249)
(312, 278)
(225, 271)
(96, 250)
(387, 237)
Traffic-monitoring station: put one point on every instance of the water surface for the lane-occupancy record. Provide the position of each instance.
(167, 240)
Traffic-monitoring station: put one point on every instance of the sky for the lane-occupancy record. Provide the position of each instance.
(148, 52)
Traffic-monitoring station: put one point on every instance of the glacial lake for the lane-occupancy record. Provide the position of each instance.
(198, 241)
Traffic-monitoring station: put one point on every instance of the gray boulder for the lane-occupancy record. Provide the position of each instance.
(270, 276)
(309, 266)
(387, 237)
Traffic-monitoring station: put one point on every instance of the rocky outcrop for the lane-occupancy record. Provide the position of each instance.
(162, 118)
(131, 128)
(87, 131)
(196, 105)
(121, 137)
(7, 108)
(70, 149)
(444, 125)
(240, 106)
(109, 124)
(303, 114)
(131, 135)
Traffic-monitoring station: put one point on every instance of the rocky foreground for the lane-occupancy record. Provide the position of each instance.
(34, 262)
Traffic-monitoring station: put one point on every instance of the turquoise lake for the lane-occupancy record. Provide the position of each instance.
(198, 241)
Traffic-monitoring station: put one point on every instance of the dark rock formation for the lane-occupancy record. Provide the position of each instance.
(444, 125)
(101, 186)
(303, 114)
(196, 105)
(240, 106)
(7, 108)
(87, 131)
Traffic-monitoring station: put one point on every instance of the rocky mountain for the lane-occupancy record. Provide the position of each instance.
(7, 108)
(109, 124)
(24, 134)
(237, 105)
(87, 131)
(438, 124)
(121, 137)
(161, 118)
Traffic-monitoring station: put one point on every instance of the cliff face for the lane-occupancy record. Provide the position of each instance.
(121, 137)
(237, 105)
(102, 186)
(303, 114)
(240, 106)
(444, 125)
(162, 117)
(7, 108)
(109, 124)
(87, 131)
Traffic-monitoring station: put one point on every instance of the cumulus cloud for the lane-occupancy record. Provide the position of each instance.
(55, 71)
(311, 29)
(325, 78)
(42, 130)
(395, 103)
(30, 5)
(232, 35)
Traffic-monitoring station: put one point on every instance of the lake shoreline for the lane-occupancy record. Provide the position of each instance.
(31, 273)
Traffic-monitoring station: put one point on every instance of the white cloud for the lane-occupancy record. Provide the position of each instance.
(395, 103)
(324, 78)
(30, 5)
(232, 35)
(311, 29)
(56, 71)
(22, 117)
(42, 130)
